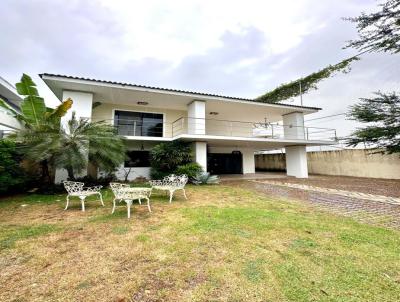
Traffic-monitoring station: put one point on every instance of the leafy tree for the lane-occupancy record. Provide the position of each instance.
(71, 147)
(11, 173)
(166, 157)
(33, 109)
(45, 142)
(382, 116)
(379, 31)
(35, 117)
(305, 84)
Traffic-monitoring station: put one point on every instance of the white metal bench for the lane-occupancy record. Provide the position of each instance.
(77, 189)
(171, 183)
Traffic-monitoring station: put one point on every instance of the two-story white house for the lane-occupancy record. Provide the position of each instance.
(225, 131)
(9, 94)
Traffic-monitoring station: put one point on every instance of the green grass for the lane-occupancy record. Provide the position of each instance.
(223, 244)
(9, 235)
(254, 270)
(120, 230)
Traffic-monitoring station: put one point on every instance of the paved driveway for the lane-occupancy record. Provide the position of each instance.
(376, 211)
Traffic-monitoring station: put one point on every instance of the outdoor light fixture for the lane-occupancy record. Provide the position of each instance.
(142, 103)
(214, 113)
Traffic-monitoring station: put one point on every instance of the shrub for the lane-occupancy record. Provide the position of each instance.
(12, 175)
(204, 178)
(190, 169)
(100, 181)
(156, 174)
(166, 157)
(50, 189)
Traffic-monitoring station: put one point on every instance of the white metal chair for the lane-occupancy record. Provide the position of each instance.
(77, 189)
(126, 193)
(171, 183)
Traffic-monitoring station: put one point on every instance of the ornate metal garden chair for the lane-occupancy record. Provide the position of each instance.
(77, 189)
(126, 193)
(171, 183)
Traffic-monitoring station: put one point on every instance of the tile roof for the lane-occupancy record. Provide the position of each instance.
(172, 90)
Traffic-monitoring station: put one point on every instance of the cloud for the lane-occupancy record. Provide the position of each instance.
(241, 48)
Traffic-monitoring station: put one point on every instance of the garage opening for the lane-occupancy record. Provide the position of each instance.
(225, 163)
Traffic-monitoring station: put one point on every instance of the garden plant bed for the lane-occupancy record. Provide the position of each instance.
(224, 244)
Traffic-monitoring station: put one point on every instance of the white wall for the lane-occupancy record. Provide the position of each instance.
(196, 117)
(82, 106)
(133, 174)
(7, 122)
(294, 125)
(248, 161)
(296, 161)
(200, 151)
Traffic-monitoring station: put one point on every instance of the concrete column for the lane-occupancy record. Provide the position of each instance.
(196, 117)
(296, 161)
(248, 161)
(82, 105)
(293, 125)
(200, 151)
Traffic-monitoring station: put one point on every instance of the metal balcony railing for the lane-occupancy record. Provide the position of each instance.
(215, 127)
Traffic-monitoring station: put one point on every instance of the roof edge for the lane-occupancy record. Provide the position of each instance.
(42, 75)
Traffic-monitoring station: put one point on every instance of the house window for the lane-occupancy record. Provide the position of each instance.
(136, 159)
(138, 123)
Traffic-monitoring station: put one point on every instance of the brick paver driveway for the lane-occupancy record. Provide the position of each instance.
(376, 212)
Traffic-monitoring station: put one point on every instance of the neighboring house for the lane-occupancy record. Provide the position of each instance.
(225, 131)
(12, 98)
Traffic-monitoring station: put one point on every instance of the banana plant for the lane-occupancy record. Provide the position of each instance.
(33, 108)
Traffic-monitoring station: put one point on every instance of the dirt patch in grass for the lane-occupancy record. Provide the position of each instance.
(223, 244)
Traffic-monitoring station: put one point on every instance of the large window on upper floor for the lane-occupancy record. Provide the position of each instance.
(138, 123)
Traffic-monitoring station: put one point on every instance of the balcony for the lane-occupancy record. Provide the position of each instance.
(222, 128)
(214, 127)
(140, 128)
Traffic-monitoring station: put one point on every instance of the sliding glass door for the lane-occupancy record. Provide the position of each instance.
(138, 123)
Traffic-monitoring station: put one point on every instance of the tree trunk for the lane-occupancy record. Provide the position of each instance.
(70, 173)
(92, 170)
(45, 177)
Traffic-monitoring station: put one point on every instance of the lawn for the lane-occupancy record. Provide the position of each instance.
(224, 244)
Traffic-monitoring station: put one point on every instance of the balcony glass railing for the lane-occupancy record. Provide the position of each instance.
(215, 127)
(135, 128)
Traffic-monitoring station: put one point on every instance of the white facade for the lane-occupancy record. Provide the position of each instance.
(225, 132)
(200, 151)
(82, 106)
(196, 117)
(9, 94)
(296, 161)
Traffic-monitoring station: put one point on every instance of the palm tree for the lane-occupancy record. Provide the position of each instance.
(82, 141)
(71, 146)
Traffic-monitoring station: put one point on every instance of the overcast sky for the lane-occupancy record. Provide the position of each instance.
(239, 49)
